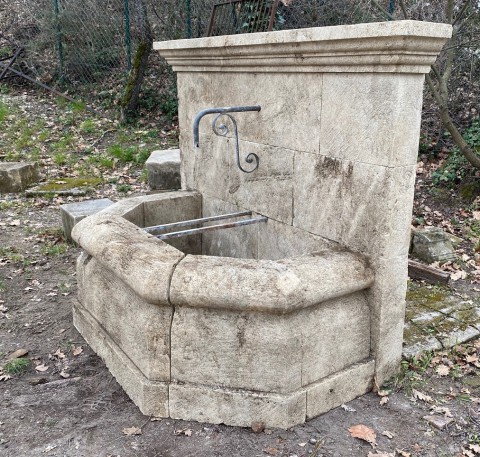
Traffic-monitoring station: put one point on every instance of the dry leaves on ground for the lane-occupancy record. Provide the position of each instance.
(131, 431)
(364, 433)
(421, 396)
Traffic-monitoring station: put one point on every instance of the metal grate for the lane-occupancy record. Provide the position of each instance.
(242, 16)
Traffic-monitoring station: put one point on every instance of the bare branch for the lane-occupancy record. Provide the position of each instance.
(404, 9)
(462, 12)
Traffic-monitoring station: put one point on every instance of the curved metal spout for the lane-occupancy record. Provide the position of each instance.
(231, 109)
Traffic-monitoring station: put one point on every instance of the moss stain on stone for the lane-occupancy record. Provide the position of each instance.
(56, 185)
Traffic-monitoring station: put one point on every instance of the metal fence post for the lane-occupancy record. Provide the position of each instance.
(61, 60)
(189, 18)
(128, 38)
(391, 9)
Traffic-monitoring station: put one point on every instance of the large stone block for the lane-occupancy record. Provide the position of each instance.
(236, 407)
(115, 305)
(163, 169)
(359, 112)
(140, 260)
(73, 213)
(351, 193)
(151, 397)
(17, 176)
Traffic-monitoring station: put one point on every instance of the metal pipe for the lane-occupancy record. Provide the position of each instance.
(197, 231)
(231, 109)
(165, 227)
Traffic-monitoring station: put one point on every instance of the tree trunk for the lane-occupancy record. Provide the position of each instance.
(129, 101)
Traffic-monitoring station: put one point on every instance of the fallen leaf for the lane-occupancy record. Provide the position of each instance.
(188, 432)
(388, 434)
(77, 350)
(41, 368)
(364, 433)
(64, 374)
(476, 215)
(382, 454)
(5, 377)
(17, 354)
(475, 448)
(403, 453)
(302, 444)
(384, 401)
(443, 370)
(383, 393)
(49, 448)
(155, 419)
(132, 431)
(271, 451)
(471, 358)
(460, 274)
(442, 410)
(420, 396)
(15, 223)
(58, 353)
(468, 453)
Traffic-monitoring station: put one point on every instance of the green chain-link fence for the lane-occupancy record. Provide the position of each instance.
(88, 45)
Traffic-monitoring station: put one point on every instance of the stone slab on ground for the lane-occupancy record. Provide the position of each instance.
(163, 168)
(17, 176)
(73, 213)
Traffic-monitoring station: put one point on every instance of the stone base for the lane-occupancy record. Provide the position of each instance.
(17, 176)
(150, 396)
(218, 405)
(73, 213)
(163, 168)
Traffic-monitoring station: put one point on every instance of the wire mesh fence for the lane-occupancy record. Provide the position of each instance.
(88, 46)
(91, 41)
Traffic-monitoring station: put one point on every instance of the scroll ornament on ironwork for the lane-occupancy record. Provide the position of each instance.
(221, 129)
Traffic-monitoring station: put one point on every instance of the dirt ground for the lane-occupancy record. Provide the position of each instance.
(67, 404)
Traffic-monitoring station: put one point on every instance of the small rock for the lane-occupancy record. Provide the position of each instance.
(258, 427)
(438, 422)
(312, 441)
(37, 381)
(17, 354)
(432, 244)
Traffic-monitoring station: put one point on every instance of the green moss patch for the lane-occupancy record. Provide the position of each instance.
(63, 184)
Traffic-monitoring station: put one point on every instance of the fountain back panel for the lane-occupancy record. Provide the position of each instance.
(282, 320)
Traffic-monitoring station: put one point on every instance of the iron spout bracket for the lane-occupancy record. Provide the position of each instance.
(222, 130)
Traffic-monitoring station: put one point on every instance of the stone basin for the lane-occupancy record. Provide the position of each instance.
(219, 338)
(279, 321)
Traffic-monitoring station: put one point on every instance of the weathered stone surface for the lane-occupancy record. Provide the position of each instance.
(384, 47)
(241, 243)
(163, 168)
(387, 307)
(150, 396)
(284, 285)
(115, 305)
(272, 353)
(171, 207)
(279, 241)
(337, 199)
(17, 176)
(339, 388)
(143, 262)
(384, 100)
(72, 213)
(236, 407)
(130, 209)
(432, 244)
